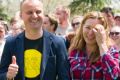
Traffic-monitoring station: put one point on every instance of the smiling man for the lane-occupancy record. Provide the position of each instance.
(34, 54)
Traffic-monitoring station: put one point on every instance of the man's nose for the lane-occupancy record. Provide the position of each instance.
(34, 15)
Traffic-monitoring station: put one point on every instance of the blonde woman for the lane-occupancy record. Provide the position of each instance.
(89, 56)
(115, 36)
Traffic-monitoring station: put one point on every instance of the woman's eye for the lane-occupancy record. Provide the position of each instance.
(88, 27)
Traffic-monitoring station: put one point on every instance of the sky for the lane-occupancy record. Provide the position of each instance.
(115, 4)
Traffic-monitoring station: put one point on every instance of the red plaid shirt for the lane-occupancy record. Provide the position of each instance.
(106, 68)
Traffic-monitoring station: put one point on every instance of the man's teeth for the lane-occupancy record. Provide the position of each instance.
(34, 20)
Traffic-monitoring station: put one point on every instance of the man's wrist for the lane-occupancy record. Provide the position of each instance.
(8, 77)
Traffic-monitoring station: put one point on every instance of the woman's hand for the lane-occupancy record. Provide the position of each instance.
(100, 34)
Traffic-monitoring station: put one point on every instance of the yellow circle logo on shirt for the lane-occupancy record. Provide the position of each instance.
(32, 61)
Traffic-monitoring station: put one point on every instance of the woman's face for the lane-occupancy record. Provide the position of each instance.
(76, 23)
(46, 24)
(115, 34)
(88, 33)
(2, 31)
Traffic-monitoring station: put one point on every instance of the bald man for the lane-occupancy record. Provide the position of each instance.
(34, 54)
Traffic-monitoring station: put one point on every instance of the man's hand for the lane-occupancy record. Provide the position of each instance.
(12, 69)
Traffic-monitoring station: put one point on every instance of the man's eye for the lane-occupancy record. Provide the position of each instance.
(29, 12)
(38, 12)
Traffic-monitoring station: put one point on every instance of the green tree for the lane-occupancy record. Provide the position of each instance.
(50, 5)
(83, 6)
(2, 14)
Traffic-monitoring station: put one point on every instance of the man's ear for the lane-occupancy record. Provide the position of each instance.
(20, 15)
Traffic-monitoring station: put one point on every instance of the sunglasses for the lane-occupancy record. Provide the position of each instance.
(77, 23)
(114, 33)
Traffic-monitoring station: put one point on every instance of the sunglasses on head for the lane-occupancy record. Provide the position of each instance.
(114, 33)
(77, 23)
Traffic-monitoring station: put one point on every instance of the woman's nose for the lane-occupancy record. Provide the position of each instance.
(91, 32)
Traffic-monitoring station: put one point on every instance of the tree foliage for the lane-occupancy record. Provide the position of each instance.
(3, 15)
(50, 5)
(83, 6)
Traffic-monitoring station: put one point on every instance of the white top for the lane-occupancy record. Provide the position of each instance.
(62, 32)
(2, 44)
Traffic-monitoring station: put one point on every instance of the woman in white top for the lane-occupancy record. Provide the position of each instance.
(2, 37)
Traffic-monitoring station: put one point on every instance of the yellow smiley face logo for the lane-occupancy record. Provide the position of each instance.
(32, 63)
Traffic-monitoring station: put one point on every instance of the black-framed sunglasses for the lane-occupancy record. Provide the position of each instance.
(77, 23)
(114, 33)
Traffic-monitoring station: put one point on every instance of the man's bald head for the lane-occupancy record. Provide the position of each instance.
(32, 1)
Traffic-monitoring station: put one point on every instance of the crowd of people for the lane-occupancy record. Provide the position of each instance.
(39, 46)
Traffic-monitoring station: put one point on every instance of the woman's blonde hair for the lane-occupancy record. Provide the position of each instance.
(79, 42)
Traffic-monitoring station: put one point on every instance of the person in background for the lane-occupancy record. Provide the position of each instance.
(50, 23)
(117, 18)
(16, 27)
(3, 32)
(115, 36)
(5, 24)
(89, 56)
(76, 21)
(63, 13)
(109, 15)
(34, 54)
